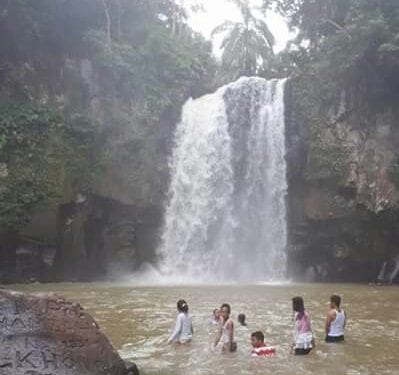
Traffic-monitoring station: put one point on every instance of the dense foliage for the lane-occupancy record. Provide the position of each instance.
(44, 157)
(147, 44)
(146, 59)
(344, 59)
(29, 152)
(90, 91)
(344, 41)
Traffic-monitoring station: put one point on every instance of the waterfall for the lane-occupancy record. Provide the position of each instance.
(225, 218)
(389, 271)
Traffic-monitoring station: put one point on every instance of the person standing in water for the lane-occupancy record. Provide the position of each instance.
(335, 321)
(183, 332)
(242, 320)
(303, 336)
(215, 317)
(226, 330)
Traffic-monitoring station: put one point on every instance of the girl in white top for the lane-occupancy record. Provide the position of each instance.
(183, 332)
(335, 321)
(226, 330)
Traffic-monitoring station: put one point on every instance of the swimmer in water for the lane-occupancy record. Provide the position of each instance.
(303, 335)
(259, 348)
(183, 332)
(226, 330)
(242, 319)
(335, 320)
(215, 317)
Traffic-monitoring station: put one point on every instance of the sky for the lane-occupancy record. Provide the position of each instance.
(218, 11)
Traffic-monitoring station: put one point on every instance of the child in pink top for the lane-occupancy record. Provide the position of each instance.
(303, 335)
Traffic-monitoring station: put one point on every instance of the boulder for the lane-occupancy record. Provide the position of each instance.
(44, 334)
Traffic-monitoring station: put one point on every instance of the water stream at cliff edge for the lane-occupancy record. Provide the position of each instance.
(225, 218)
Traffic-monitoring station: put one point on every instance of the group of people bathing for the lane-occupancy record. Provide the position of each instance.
(303, 338)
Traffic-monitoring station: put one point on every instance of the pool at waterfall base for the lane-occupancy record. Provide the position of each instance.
(138, 321)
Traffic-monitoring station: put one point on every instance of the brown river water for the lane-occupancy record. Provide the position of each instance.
(138, 321)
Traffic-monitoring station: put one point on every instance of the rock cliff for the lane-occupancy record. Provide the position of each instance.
(343, 181)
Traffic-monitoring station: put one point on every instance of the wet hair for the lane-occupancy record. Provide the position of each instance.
(258, 335)
(241, 319)
(335, 298)
(298, 306)
(182, 306)
(227, 306)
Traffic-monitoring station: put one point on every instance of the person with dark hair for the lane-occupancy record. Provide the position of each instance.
(259, 349)
(183, 332)
(226, 330)
(215, 317)
(335, 321)
(241, 319)
(303, 336)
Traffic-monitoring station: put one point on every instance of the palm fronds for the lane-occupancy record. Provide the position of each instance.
(247, 44)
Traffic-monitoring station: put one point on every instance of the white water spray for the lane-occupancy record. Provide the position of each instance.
(226, 215)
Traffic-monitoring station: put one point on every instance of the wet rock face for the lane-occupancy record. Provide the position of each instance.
(343, 201)
(102, 238)
(44, 334)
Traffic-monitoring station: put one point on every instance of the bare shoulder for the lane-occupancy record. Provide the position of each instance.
(332, 313)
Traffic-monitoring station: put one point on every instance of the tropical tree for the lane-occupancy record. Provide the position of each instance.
(342, 40)
(247, 44)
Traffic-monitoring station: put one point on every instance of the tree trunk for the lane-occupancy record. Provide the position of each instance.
(339, 27)
(8, 257)
(108, 22)
(246, 42)
(119, 7)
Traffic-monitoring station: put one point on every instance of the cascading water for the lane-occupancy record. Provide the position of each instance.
(226, 215)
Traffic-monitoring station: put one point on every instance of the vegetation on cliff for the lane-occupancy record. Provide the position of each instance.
(90, 91)
(344, 39)
(345, 62)
(51, 142)
(29, 151)
(344, 65)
